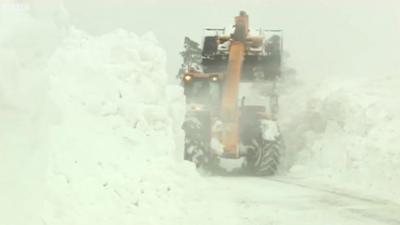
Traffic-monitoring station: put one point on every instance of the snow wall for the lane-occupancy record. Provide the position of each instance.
(88, 128)
(344, 131)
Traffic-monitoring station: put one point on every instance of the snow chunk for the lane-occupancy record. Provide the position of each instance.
(270, 130)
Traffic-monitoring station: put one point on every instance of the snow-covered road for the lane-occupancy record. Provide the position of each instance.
(285, 201)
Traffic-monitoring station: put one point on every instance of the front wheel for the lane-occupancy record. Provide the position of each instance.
(196, 151)
(264, 156)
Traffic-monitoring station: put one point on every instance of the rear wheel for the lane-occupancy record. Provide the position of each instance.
(264, 156)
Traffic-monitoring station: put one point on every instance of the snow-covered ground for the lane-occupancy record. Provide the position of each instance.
(90, 134)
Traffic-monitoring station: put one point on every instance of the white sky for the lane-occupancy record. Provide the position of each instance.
(322, 36)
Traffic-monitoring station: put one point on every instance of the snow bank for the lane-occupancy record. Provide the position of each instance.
(345, 131)
(25, 114)
(112, 159)
(87, 129)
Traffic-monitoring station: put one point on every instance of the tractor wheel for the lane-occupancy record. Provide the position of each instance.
(197, 152)
(264, 156)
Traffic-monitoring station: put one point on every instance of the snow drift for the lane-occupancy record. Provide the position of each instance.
(344, 131)
(114, 149)
(25, 114)
(88, 128)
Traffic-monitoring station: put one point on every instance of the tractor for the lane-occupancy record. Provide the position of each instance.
(221, 119)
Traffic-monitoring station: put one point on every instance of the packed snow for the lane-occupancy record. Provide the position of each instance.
(91, 127)
(116, 137)
(344, 131)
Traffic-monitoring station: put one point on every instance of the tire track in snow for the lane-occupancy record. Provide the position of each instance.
(379, 210)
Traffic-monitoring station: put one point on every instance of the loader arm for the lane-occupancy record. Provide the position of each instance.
(229, 104)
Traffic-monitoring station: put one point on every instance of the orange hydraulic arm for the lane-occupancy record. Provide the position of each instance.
(229, 105)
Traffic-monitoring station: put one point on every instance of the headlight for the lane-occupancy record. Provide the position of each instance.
(214, 78)
(187, 77)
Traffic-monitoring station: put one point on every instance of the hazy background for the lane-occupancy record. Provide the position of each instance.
(322, 36)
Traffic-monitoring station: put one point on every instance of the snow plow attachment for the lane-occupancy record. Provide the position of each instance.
(219, 124)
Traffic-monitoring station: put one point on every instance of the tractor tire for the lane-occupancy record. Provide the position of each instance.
(194, 150)
(264, 156)
(197, 152)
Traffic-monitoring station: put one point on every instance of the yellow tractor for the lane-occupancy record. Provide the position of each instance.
(219, 122)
